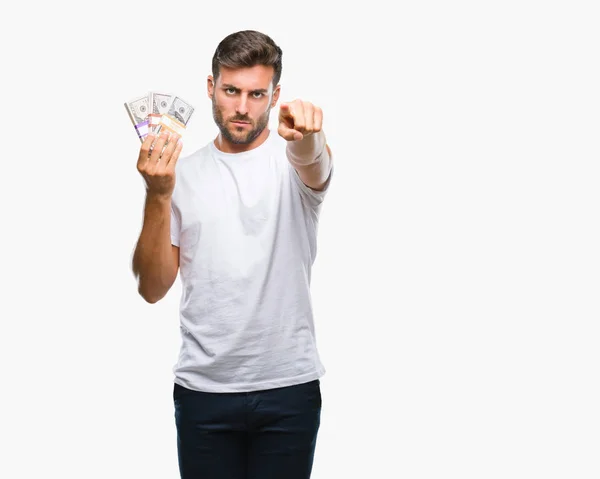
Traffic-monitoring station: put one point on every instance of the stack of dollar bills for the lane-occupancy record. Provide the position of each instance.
(157, 112)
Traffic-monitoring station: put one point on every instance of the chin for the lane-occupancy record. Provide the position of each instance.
(238, 139)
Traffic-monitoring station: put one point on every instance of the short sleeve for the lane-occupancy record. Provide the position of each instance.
(175, 225)
(313, 197)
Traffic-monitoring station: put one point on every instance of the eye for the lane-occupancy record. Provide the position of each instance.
(258, 94)
(230, 90)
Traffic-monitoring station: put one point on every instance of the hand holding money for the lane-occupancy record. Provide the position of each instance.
(160, 120)
(157, 160)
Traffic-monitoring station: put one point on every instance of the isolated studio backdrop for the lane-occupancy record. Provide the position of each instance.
(456, 281)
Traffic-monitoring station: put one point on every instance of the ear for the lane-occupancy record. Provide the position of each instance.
(210, 86)
(276, 93)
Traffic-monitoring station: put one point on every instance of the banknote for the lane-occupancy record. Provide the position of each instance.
(176, 118)
(159, 105)
(137, 110)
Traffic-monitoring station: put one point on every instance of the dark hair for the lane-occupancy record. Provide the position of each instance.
(247, 48)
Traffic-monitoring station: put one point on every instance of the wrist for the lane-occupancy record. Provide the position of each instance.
(307, 150)
(158, 199)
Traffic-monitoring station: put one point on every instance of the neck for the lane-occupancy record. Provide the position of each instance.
(226, 146)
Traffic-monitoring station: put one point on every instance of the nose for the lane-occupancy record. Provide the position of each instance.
(242, 106)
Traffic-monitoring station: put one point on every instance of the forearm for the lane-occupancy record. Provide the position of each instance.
(311, 158)
(154, 264)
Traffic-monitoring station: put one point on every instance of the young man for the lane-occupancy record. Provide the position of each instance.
(238, 219)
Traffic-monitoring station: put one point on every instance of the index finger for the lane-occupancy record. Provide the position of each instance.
(285, 110)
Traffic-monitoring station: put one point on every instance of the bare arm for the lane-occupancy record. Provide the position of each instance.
(155, 260)
(311, 158)
(300, 123)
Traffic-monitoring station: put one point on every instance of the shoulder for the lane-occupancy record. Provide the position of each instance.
(189, 163)
(198, 155)
(188, 168)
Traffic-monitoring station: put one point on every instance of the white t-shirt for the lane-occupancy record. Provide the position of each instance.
(246, 226)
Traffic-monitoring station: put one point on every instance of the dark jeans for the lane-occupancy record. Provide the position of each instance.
(268, 434)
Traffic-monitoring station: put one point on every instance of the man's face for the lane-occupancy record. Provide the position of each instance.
(242, 99)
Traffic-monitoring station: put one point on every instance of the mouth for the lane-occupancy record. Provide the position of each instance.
(240, 123)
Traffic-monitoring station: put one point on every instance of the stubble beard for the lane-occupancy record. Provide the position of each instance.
(239, 139)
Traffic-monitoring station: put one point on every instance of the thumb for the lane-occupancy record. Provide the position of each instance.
(289, 133)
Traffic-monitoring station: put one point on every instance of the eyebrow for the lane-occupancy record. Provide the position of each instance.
(258, 90)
